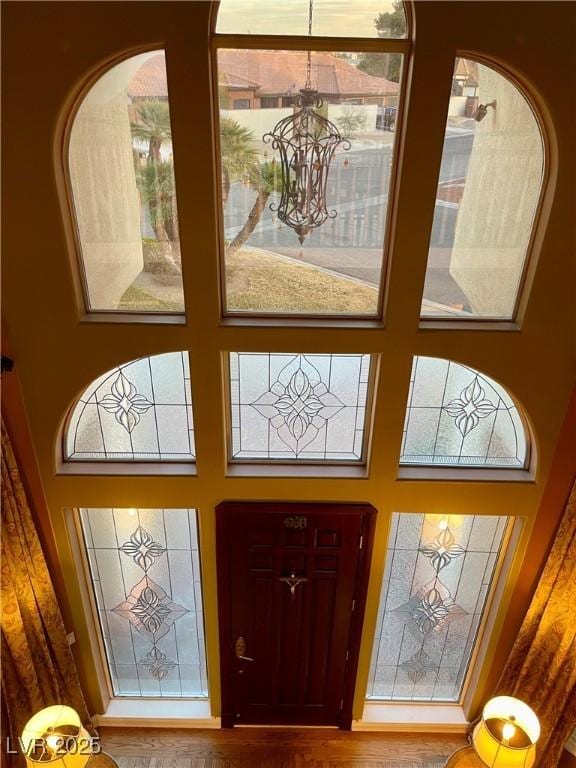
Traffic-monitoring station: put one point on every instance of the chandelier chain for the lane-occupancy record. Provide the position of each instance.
(308, 84)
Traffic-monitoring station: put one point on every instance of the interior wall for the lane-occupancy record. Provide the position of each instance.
(49, 51)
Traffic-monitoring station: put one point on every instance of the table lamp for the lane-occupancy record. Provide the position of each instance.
(55, 735)
(507, 734)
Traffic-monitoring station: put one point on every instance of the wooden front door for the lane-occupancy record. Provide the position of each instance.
(292, 584)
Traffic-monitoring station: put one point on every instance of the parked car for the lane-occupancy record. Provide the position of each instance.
(386, 118)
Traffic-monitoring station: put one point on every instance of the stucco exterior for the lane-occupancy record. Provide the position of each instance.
(105, 196)
(499, 201)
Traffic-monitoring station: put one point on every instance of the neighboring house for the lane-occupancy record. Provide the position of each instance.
(258, 79)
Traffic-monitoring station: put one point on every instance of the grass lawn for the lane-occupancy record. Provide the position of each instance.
(266, 283)
(262, 282)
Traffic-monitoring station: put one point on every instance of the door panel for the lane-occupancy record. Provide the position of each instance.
(291, 587)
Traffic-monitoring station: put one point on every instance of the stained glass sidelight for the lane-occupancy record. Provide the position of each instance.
(438, 575)
(141, 411)
(298, 407)
(457, 416)
(145, 572)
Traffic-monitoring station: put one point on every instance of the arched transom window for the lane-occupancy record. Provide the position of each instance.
(139, 411)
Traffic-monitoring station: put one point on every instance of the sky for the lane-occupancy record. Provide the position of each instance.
(290, 17)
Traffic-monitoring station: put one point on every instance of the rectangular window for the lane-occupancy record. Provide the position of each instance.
(305, 189)
(144, 569)
(296, 407)
(438, 575)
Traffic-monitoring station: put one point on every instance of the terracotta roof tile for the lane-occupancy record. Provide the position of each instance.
(268, 73)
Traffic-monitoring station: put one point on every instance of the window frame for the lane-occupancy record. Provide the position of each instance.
(302, 467)
(501, 573)
(537, 225)
(69, 212)
(402, 46)
(129, 467)
(423, 470)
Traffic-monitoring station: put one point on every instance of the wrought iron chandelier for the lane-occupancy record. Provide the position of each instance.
(306, 142)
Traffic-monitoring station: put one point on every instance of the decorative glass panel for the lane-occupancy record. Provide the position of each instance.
(305, 193)
(488, 192)
(458, 416)
(141, 411)
(299, 407)
(332, 18)
(145, 571)
(438, 575)
(122, 179)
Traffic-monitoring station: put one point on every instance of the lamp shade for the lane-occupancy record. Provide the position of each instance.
(507, 734)
(55, 736)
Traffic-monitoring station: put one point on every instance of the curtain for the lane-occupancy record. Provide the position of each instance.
(541, 669)
(37, 665)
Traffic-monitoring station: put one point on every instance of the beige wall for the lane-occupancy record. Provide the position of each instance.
(106, 199)
(56, 47)
(500, 198)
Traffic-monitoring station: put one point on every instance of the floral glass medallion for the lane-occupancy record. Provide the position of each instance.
(140, 411)
(145, 573)
(303, 407)
(439, 573)
(457, 416)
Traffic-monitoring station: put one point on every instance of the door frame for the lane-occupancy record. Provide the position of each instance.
(223, 544)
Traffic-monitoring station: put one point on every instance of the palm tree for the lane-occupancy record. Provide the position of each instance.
(266, 178)
(152, 125)
(239, 153)
(155, 183)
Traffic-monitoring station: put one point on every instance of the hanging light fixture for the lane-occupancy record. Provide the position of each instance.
(306, 142)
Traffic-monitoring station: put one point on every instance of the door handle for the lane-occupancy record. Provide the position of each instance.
(240, 650)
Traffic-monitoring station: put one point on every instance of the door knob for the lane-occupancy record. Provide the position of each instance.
(240, 650)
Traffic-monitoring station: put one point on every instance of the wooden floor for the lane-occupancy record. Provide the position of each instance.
(275, 748)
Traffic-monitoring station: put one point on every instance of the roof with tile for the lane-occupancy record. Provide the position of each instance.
(268, 73)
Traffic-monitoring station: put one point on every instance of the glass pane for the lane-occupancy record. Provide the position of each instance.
(145, 571)
(298, 407)
(489, 188)
(438, 574)
(122, 178)
(457, 416)
(305, 216)
(141, 411)
(330, 18)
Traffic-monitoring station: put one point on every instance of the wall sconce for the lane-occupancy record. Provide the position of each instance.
(55, 735)
(482, 110)
(507, 734)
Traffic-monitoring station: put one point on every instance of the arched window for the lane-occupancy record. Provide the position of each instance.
(140, 411)
(307, 153)
(373, 18)
(123, 192)
(487, 197)
(457, 416)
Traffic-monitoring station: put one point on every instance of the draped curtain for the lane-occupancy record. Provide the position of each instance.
(37, 665)
(541, 669)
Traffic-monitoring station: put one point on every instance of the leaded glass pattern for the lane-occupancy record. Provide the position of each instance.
(141, 411)
(298, 406)
(145, 574)
(439, 572)
(458, 416)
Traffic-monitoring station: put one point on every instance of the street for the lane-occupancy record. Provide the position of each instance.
(351, 243)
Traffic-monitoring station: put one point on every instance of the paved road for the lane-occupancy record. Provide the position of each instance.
(351, 243)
